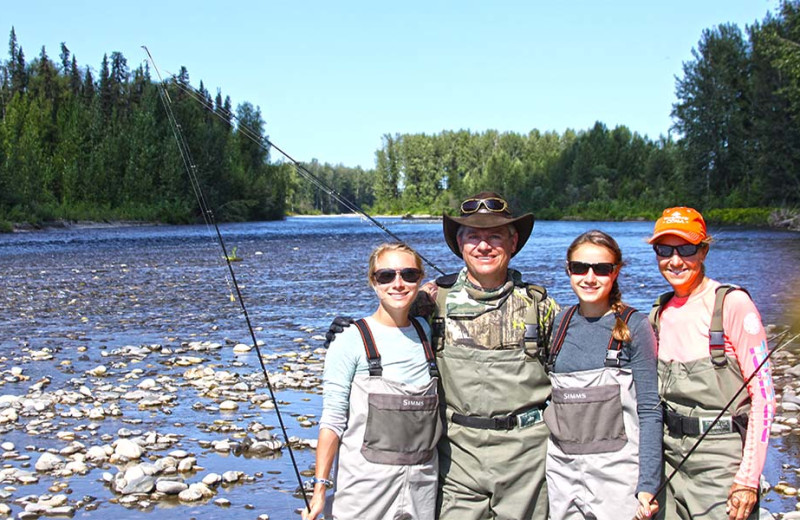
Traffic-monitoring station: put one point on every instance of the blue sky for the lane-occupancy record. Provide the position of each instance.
(332, 77)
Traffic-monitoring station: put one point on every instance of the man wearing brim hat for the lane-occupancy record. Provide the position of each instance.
(487, 328)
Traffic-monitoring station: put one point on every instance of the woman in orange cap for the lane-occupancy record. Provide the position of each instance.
(702, 363)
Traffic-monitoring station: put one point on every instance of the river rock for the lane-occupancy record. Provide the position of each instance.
(128, 449)
(170, 487)
(98, 371)
(212, 479)
(187, 464)
(232, 476)
(196, 492)
(228, 405)
(97, 454)
(48, 462)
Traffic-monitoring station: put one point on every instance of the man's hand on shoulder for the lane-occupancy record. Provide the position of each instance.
(425, 303)
(338, 324)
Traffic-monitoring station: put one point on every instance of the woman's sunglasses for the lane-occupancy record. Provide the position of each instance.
(409, 275)
(493, 204)
(601, 269)
(683, 250)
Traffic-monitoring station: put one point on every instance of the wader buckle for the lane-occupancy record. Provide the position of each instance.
(724, 425)
(508, 422)
(530, 417)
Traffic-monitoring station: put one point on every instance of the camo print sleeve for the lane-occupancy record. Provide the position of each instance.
(548, 309)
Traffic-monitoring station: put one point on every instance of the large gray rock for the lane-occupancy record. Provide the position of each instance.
(48, 462)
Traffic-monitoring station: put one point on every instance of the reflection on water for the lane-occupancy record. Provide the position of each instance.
(98, 289)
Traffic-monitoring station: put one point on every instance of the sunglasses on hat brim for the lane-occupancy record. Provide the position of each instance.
(493, 204)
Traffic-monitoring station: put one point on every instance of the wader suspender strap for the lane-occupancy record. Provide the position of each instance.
(530, 341)
(615, 345)
(430, 357)
(558, 338)
(443, 283)
(373, 357)
(655, 311)
(716, 333)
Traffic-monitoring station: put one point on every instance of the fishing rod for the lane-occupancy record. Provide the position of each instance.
(191, 169)
(710, 427)
(266, 144)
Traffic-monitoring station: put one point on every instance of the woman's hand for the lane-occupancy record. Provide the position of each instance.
(646, 509)
(741, 500)
(317, 503)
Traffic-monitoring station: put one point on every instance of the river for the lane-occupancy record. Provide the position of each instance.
(80, 294)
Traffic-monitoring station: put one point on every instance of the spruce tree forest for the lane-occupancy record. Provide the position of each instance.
(76, 144)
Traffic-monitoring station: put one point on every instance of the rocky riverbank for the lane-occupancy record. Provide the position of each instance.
(104, 430)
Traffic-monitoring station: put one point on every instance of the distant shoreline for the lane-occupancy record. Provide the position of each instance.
(787, 220)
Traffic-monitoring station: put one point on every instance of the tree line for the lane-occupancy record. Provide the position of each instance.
(78, 147)
(75, 146)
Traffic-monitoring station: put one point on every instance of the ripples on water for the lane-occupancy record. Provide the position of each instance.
(107, 287)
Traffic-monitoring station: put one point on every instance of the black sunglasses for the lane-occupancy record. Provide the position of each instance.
(409, 275)
(683, 250)
(493, 204)
(601, 269)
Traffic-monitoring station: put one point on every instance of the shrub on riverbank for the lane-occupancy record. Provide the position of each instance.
(739, 216)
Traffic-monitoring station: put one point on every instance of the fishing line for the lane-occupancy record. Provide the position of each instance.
(191, 169)
(725, 409)
(264, 142)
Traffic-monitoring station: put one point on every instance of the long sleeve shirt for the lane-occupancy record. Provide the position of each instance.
(683, 337)
(585, 348)
(402, 359)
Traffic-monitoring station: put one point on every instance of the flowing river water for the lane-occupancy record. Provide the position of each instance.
(138, 300)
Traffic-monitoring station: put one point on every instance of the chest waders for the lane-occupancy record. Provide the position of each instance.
(694, 393)
(593, 450)
(387, 456)
(495, 388)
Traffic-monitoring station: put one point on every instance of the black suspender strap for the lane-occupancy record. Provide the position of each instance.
(433, 370)
(558, 338)
(373, 356)
(615, 345)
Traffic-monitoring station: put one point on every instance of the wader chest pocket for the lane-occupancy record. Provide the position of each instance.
(586, 420)
(401, 429)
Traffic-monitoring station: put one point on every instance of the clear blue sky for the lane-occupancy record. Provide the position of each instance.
(332, 77)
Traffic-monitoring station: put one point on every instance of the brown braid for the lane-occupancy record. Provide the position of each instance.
(621, 331)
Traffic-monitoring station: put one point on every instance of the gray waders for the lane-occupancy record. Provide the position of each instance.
(593, 450)
(388, 464)
(694, 393)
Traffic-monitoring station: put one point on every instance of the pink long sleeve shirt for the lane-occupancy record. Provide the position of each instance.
(683, 337)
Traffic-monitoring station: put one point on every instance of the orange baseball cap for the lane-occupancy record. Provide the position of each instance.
(684, 222)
